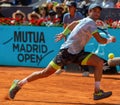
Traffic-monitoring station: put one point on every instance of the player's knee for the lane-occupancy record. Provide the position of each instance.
(42, 73)
(100, 63)
(47, 72)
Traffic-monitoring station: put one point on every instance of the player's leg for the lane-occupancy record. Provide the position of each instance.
(59, 61)
(97, 62)
(17, 84)
(38, 74)
(98, 66)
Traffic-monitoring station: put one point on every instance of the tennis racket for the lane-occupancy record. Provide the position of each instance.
(103, 27)
(103, 30)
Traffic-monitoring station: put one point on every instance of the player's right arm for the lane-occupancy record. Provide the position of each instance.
(66, 31)
(103, 40)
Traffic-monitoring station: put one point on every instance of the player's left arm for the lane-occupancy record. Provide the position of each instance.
(66, 31)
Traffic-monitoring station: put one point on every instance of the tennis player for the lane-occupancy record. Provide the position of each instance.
(71, 51)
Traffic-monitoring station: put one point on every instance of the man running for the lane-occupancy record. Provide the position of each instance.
(72, 51)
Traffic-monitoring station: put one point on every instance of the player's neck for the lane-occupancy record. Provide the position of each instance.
(92, 18)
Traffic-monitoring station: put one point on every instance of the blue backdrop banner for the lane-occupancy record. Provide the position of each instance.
(35, 46)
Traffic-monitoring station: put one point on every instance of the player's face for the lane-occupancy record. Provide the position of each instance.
(95, 13)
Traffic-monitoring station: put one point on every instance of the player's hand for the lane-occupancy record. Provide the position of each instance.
(113, 39)
(59, 37)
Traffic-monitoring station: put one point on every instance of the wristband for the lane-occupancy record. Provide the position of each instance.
(109, 40)
(66, 31)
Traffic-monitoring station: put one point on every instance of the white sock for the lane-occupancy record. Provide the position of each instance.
(97, 84)
(22, 82)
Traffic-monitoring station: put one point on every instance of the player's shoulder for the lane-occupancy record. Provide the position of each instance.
(89, 20)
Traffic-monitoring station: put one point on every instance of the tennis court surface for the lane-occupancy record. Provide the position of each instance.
(64, 89)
